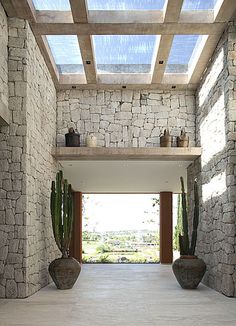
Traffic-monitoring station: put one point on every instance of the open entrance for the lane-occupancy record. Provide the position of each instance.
(120, 228)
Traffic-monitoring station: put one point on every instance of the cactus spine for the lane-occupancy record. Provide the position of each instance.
(185, 247)
(62, 213)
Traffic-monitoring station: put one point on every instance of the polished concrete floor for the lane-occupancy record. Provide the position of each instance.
(125, 295)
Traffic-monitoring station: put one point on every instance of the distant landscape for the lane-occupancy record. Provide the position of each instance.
(127, 246)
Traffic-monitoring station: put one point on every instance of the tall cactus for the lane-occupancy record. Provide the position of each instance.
(185, 247)
(62, 213)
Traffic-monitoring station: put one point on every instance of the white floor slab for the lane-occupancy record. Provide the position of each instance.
(127, 295)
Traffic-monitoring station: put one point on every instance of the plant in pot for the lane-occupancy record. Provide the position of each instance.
(189, 269)
(65, 270)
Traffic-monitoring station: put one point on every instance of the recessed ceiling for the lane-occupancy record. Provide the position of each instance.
(137, 43)
(124, 176)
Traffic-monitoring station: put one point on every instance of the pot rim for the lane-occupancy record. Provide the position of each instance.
(188, 257)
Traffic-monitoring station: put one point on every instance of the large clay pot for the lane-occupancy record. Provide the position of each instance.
(189, 271)
(64, 272)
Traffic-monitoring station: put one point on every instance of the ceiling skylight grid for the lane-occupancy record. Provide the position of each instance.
(66, 53)
(124, 53)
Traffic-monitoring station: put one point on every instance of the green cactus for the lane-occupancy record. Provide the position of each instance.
(185, 247)
(62, 213)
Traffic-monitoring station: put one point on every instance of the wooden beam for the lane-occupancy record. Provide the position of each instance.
(48, 57)
(87, 53)
(125, 16)
(124, 78)
(166, 237)
(79, 11)
(175, 79)
(52, 17)
(22, 9)
(162, 58)
(196, 16)
(172, 11)
(161, 86)
(202, 58)
(171, 15)
(127, 29)
(72, 79)
(224, 10)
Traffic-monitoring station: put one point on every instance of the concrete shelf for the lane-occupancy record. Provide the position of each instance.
(131, 153)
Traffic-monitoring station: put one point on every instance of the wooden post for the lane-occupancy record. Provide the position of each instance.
(76, 241)
(166, 239)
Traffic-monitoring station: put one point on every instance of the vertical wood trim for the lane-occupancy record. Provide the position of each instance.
(76, 242)
(166, 239)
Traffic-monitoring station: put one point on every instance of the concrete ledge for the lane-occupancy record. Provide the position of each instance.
(4, 114)
(106, 153)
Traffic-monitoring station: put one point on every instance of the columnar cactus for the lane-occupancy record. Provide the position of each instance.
(62, 213)
(187, 248)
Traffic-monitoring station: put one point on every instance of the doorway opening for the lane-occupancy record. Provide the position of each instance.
(120, 228)
(177, 224)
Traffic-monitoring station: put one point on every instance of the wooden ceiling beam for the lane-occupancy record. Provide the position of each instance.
(172, 11)
(48, 57)
(201, 60)
(127, 29)
(224, 10)
(79, 11)
(22, 9)
(87, 53)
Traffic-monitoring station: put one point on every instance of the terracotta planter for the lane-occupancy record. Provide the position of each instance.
(64, 272)
(189, 271)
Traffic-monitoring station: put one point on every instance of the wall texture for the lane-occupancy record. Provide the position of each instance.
(27, 168)
(4, 113)
(125, 118)
(215, 130)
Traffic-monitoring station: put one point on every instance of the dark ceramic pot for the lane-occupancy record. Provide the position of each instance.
(72, 139)
(189, 271)
(64, 272)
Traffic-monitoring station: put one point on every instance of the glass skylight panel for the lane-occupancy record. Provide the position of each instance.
(182, 51)
(124, 53)
(125, 4)
(61, 5)
(199, 4)
(66, 52)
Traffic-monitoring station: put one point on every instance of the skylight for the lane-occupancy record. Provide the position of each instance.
(124, 53)
(61, 5)
(199, 4)
(66, 52)
(182, 51)
(125, 4)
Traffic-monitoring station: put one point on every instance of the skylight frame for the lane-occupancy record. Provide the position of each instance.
(149, 44)
(71, 44)
(59, 21)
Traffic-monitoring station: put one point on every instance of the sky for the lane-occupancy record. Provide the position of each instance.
(121, 212)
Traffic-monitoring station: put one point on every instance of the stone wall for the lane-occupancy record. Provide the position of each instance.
(4, 112)
(27, 168)
(215, 129)
(125, 118)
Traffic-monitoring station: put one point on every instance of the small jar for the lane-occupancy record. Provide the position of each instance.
(91, 141)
